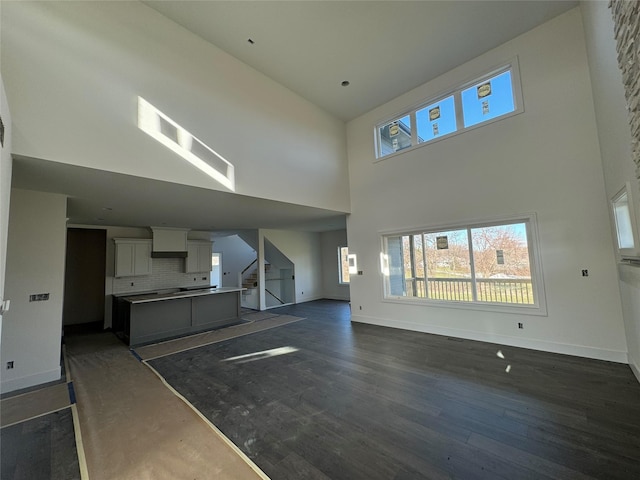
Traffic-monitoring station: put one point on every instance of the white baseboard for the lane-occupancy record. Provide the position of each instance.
(30, 380)
(635, 367)
(310, 299)
(553, 347)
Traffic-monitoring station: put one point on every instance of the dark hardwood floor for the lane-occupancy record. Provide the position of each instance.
(42, 448)
(356, 401)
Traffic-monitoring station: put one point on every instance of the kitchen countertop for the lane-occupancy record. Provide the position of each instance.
(155, 297)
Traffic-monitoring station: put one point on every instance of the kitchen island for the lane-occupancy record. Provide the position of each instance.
(160, 316)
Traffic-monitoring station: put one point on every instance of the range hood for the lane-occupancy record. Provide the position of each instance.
(169, 242)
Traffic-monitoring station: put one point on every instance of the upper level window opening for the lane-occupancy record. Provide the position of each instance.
(436, 120)
(489, 97)
(396, 135)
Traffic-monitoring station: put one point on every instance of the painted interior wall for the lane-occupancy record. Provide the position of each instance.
(236, 256)
(545, 160)
(32, 331)
(304, 250)
(5, 188)
(330, 242)
(74, 71)
(615, 147)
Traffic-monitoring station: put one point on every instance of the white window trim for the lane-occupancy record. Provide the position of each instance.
(456, 92)
(537, 280)
(340, 275)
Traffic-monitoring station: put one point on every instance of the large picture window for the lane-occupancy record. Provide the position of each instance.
(489, 97)
(485, 264)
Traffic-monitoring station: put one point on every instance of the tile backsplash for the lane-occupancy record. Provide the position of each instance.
(165, 273)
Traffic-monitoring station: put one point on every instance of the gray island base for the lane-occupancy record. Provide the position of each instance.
(156, 317)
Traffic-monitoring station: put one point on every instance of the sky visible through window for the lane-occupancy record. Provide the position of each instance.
(485, 100)
(481, 102)
(436, 120)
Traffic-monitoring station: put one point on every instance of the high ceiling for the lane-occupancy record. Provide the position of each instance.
(383, 48)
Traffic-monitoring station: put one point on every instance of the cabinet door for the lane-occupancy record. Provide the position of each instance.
(125, 254)
(142, 259)
(204, 257)
(192, 258)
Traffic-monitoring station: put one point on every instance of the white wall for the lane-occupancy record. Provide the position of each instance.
(615, 147)
(545, 160)
(32, 331)
(236, 256)
(5, 187)
(330, 242)
(304, 250)
(73, 72)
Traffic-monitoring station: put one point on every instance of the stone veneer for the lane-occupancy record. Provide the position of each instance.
(626, 18)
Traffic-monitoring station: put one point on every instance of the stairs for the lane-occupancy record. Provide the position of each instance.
(251, 280)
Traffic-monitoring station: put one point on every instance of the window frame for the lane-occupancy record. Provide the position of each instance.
(340, 269)
(456, 92)
(539, 308)
(626, 253)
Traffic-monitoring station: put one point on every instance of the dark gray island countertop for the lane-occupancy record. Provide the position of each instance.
(155, 297)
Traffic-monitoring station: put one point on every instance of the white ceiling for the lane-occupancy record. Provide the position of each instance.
(383, 48)
(97, 197)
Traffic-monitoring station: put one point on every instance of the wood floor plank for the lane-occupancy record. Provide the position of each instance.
(355, 401)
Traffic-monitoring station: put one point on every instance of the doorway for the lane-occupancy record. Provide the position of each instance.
(215, 279)
(84, 279)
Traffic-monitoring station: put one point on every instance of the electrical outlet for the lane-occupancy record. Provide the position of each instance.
(38, 297)
(10, 365)
(520, 325)
(585, 273)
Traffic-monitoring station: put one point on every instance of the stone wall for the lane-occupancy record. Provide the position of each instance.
(626, 17)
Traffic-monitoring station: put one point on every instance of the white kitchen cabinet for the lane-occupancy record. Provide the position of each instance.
(198, 257)
(133, 257)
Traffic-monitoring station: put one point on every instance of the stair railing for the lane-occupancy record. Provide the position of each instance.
(274, 296)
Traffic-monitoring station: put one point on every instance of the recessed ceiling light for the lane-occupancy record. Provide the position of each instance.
(345, 83)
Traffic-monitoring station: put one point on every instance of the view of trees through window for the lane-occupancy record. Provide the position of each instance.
(476, 264)
(343, 264)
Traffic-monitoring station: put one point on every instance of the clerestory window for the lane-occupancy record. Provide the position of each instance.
(492, 96)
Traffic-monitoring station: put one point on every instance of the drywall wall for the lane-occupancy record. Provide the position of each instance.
(74, 71)
(330, 242)
(5, 187)
(236, 256)
(545, 160)
(32, 331)
(304, 250)
(615, 146)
